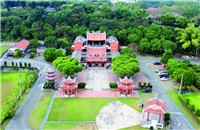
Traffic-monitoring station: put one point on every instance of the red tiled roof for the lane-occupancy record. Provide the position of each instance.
(126, 81)
(96, 36)
(155, 106)
(23, 44)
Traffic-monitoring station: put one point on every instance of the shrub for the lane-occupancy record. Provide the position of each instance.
(192, 108)
(49, 85)
(5, 63)
(113, 85)
(187, 101)
(32, 55)
(81, 85)
(198, 112)
(20, 64)
(167, 119)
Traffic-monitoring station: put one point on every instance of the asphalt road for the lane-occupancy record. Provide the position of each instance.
(178, 120)
(20, 120)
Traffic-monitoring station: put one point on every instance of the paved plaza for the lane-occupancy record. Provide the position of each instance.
(117, 115)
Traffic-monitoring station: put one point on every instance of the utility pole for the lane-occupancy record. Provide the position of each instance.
(181, 84)
(20, 84)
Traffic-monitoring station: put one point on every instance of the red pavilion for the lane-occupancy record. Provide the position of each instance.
(69, 87)
(153, 112)
(126, 87)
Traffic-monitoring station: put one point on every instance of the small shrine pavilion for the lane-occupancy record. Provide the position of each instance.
(95, 49)
(126, 87)
(69, 87)
(153, 112)
(50, 74)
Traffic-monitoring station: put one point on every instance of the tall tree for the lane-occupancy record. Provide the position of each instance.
(189, 36)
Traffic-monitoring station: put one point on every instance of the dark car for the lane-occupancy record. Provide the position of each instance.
(164, 75)
(157, 63)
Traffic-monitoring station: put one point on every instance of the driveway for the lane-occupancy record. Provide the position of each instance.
(178, 120)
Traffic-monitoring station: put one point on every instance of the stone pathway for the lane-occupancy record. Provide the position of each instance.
(96, 94)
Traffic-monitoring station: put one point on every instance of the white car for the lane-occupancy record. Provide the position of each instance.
(164, 79)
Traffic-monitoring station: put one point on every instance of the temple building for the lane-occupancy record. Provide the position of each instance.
(96, 49)
(153, 113)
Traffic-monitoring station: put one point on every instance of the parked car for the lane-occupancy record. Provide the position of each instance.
(156, 70)
(162, 72)
(164, 75)
(164, 78)
(157, 63)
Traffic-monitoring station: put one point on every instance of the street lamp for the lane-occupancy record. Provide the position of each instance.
(181, 84)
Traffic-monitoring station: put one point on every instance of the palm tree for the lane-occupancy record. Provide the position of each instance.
(190, 36)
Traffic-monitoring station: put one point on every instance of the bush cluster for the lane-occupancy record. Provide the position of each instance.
(81, 85)
(50, 85)
(113, 85)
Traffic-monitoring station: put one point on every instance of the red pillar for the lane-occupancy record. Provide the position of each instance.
(148, 117)
(159, 118)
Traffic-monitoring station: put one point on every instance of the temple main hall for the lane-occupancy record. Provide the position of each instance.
(96, 49)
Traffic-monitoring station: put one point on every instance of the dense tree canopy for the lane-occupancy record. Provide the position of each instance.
(129, 22)
(67, 65)
(190, 72)
(166, 56)
(190, 36)
(50, 54)
(124, 65)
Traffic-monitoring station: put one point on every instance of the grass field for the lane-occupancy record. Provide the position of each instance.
(194, 99)
(84, 109)
(9, 80)
(3, 49)
(40, 110)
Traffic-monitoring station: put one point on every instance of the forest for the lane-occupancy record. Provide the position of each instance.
(151, 27)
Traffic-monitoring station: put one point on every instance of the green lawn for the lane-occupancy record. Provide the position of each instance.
(39, 111)
(84, 109)
(3, 49)
(194, 99)
(9, 80)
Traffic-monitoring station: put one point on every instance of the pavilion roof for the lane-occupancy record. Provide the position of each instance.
(50, 70)
(23, 44)
(155, 106)
(96, 36)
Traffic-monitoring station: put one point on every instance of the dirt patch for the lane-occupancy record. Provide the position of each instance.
(85, 127)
